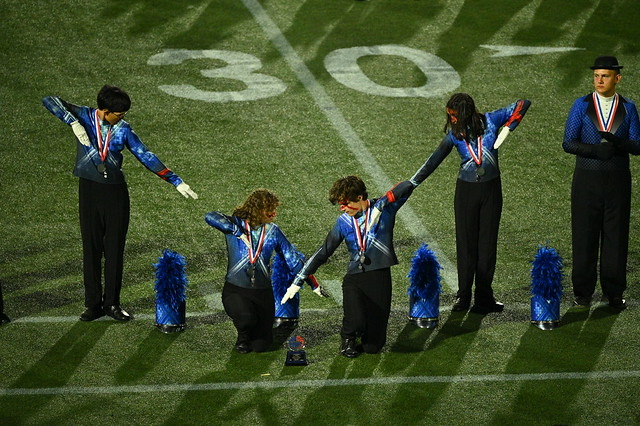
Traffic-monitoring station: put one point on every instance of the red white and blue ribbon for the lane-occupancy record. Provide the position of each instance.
(253, 256)
(361, 236)
(605, 125)
(476, 158)
(103, 147)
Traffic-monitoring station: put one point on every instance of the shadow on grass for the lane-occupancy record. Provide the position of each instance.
(350, 401)
(575, 346)
(52, 370)
(146, 358)
(443, 352)
(227, 403)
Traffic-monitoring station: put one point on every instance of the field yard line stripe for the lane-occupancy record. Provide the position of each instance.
(320, 383)
(349, 136)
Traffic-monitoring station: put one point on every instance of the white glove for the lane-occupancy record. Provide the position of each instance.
(185, 190)
(501, 137)
(291, 292)
(80, 133)
(320, 291)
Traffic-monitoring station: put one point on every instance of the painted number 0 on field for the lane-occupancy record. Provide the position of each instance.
(342, 64)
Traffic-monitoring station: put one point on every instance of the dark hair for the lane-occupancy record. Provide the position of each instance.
(347, 188)
(471, 123)
(113, 99)
(256, 204)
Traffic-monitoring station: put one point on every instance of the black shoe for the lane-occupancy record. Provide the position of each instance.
(117, 313)
(243, 347)
(582, 302)
(462, 304)
(91, 314)
(617, 302)
(4, 319)
(487, 309)
(349, 348)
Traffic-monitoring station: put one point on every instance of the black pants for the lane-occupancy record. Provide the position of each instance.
(478, 207)
(600, 211)
(252, 312)
(367, 305)
(104, 221)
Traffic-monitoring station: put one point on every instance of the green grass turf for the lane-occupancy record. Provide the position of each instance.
(105, 373)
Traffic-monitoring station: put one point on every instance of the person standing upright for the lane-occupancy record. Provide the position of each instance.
(602, 129)
(102, 134)
(478, 196)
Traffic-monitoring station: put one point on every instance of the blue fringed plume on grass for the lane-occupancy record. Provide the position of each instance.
(546, 288)
(171, 291)
(547, 274)
(425, 288)
(281, 279)
(424, 275)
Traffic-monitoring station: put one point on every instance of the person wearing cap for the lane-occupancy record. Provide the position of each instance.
(602, 129)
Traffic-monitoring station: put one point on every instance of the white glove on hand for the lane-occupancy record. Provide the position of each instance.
(80, 133)
(320, 291)
(291, 292)
(501, 137)
(186, 191)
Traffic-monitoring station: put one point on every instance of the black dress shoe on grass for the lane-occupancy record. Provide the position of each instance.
(582, 302)
(349, 348)
(617, 303)
(461, 305)
(4, 319)
(243, 348)
(487, 309)
(117, 313)
(91, 314)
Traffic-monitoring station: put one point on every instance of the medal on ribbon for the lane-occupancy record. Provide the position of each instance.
(254, 256)
(361, 237)
(103, 146)
(476, 158)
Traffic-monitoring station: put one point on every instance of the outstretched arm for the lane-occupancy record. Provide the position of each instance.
(433, 161)
(153, 163)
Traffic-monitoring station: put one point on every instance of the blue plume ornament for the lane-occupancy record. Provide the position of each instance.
(424, 274)
(171, 279)
(547, 274)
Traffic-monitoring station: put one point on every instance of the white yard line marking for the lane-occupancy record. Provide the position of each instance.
(349, 136)
(320, 383)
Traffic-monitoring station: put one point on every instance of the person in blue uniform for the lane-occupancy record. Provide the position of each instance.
(101, 136)
(602, 129)
(252, 239)
(366, 226)
(478, 194)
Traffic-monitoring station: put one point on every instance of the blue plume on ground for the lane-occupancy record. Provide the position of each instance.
(171, 278)
(281, 276)
(546, 273)
(424, 275)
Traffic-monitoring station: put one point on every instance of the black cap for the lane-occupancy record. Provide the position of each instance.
(606, 63)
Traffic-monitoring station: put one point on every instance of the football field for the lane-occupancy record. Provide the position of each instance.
(290, 95)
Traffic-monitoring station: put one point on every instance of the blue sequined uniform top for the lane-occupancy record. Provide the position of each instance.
(238, 252)
(581, 129)
(122, 136)
(509, 116)
(379, 251)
